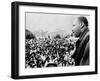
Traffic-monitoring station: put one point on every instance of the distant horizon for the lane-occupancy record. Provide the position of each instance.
(39, 33)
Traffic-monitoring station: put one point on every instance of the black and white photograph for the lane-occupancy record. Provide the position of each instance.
(51, 40)
(56, 40)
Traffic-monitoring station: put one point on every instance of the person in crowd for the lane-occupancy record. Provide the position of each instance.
(81, 30)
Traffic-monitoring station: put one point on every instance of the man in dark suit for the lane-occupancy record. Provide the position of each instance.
(81, 30)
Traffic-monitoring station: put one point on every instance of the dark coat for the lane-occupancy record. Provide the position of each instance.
(81, 54)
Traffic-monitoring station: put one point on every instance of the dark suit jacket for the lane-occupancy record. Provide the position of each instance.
(81, 54)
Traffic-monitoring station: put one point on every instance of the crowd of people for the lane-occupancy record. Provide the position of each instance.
(47, 52)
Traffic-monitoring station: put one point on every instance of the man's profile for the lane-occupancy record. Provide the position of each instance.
(81, 30)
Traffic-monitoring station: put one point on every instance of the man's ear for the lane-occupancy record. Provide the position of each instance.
(82, 25)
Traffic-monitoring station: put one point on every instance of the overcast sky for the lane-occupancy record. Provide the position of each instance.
(49, 22)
